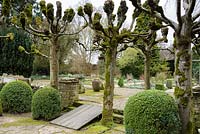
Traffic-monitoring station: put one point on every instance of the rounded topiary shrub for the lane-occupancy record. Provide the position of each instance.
(159, 86)
(151, 112)
(1, 85)
(121, 82)
(16, 97)
(46, 104)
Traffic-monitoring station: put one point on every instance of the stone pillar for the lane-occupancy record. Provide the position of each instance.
(69, 89)
(196, 107)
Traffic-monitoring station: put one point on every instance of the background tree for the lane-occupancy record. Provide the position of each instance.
(131, 62)
(18, 5)
(66, 46)
(185, 28)
(56, 28)
(146, 44)
(81, 56)
(12, 61)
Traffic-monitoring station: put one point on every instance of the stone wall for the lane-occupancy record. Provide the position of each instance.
(196, 106)
(69, 89)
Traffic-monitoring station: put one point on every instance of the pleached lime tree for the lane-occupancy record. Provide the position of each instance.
(148, 44)
(110, 39)
(186, 26)
(56, 28)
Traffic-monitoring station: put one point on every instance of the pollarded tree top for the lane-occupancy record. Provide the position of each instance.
(88, 9)
(50, 12)
(108, 7)
(59, 10)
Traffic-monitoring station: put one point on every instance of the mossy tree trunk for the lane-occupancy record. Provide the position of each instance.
(147, 65)
(110, 62)
(183, 76)
(186, 29)
(54, 64)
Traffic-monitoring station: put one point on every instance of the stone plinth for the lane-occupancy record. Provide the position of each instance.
(69, 89)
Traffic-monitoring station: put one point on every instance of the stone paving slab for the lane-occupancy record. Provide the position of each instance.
(41, 129)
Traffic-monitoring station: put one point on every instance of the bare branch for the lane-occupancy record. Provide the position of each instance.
(159, 15)
(35, 30)
(61, 34)
(83, 45)
(6, 36)
(172, 52)
(196, 16)
(32, 32)
(36, 53)
(196, 24)
(196, 30)
(197, 48)
(185, 4)
(178, 13)
(191, 7)
(63, 28)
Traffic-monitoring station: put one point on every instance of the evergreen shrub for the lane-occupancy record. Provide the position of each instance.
(16, 97)
(46, 104)
(151, 112)
(159, 86)
(121, 82)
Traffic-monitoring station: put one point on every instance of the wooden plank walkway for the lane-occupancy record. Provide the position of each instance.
(78, 117)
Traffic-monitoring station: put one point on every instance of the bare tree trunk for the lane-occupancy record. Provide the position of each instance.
(147, 65)
(110, 61)
(183, 78)
(54, 64)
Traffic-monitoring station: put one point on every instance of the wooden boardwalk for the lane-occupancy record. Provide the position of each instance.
(78, 117)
